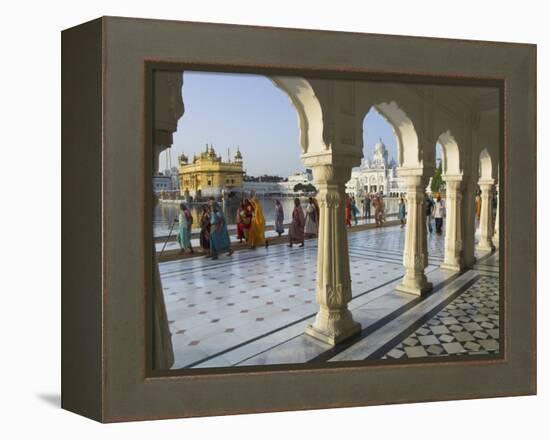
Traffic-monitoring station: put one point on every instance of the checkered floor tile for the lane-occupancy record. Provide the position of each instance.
(469, 325)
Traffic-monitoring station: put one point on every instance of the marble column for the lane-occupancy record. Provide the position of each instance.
(496, 237)
(415, 253)
(469, 190)
(163, 353)
(334, 322)
(453, 229)
(486, 216)
(168, 106)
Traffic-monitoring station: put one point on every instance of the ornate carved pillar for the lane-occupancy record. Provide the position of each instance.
(334, 322)
(415, 253)
(469, 189)
(168, 110)
(496, 237)
(453, 229)
(486, 216)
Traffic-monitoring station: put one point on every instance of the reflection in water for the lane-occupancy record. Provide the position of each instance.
(165, 213)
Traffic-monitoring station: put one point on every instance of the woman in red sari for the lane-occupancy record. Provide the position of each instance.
(246, 218)
(296, 230)
(241, 215)
(348, 211)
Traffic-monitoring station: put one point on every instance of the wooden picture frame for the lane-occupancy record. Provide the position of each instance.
(107, 279)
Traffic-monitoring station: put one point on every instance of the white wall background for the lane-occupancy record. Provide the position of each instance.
(30, 224)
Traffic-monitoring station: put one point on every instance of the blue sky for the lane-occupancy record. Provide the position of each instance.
(249, 112)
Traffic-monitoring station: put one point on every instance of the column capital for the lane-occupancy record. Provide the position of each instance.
(453, 186)
(415, 182)
(330, 174)
(331, 167)
(486, 182)
(452, 177)
(345, 157)
(410, 172)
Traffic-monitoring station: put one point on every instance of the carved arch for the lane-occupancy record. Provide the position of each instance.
(485, 165)
(308, 109)
(451, 154)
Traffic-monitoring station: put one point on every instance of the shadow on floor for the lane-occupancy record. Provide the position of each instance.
(51, 399)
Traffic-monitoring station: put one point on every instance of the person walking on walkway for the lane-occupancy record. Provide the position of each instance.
(241, 217)
(246, 219)
(256, 236)
(348, 211)
(185, 220)
(312, 220)
(366, 207)
(279, 218)
(296, 230)
(439, 213)
(219, 236)
(204, 237)
(376, 206)
(429, 211)
(402, 212)
(354, 210)
(382, 209)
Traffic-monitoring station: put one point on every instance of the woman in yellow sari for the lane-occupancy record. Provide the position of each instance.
(256, 236)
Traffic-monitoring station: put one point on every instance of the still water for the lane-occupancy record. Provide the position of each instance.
(165, 213)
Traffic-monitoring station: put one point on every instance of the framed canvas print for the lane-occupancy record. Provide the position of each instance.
(281, 219)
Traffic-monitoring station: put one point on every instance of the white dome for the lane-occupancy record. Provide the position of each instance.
(380, 147)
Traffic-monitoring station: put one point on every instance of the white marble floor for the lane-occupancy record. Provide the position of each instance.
(252, 308)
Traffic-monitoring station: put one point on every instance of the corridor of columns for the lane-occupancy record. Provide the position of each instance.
(352, 293)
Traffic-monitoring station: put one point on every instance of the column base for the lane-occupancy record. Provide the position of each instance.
(331, 337)
(416, 289)
(453, 267)
(486, 247)
(496, 242)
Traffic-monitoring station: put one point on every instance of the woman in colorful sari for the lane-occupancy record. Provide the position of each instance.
(246, 218)
(204, 237)
(219, 236)
(354, 210)
(402, 212)
(279, 218)
(256, 236)
(377, 210)
(296, 230)
(310, 229)
(348, 211)
(241, 216)
(382, 205)
(185, 220)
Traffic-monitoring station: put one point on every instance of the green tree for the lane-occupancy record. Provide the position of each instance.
(437, 180)
(307, 188)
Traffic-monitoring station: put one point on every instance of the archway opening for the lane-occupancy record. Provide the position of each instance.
(238, 134)
(376, 180)
(239, 138)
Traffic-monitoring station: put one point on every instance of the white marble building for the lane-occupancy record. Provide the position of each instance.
(376, 175)
(166, 181)
(161, 183)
